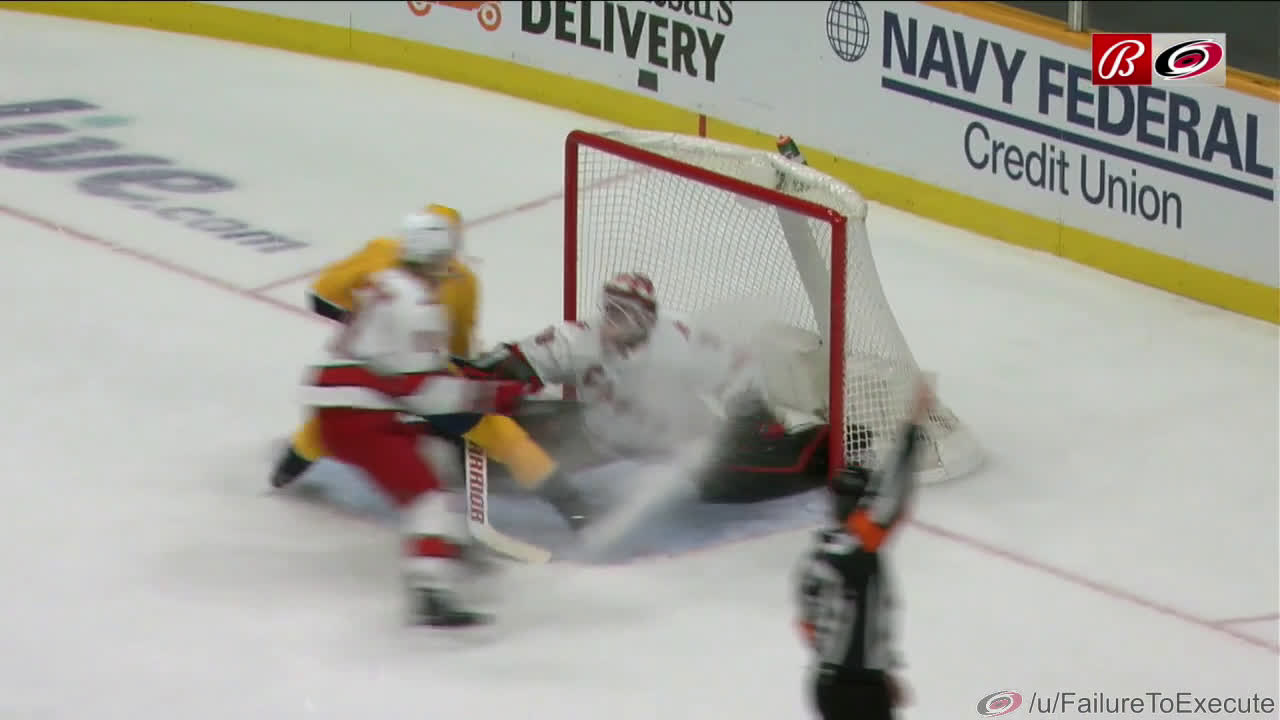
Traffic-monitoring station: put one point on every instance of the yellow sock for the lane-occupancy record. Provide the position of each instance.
(506, 442)
(307, 443)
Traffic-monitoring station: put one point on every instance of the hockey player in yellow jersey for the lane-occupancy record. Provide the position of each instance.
(500, 437)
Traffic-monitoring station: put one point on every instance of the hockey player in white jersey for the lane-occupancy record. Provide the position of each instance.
(387, 368)
(648, 383)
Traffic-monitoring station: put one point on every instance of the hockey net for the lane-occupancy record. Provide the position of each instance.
(751, 242)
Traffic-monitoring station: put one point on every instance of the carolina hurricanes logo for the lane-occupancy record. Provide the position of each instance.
(1189, 59)
(999, 703)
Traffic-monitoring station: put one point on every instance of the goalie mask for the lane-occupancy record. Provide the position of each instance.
(630, 309)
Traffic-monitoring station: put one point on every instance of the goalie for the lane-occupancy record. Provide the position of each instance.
(646, 383)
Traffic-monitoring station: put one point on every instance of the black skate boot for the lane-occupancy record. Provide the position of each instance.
(567, 500)
(435, 607)
(289, 468)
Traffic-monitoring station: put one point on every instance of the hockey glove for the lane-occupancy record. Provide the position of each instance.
(504, 397)
(505, 362)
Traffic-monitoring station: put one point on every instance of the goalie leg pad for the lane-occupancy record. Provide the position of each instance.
(756, 462)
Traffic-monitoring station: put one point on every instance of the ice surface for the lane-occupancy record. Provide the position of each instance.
(1130, 505)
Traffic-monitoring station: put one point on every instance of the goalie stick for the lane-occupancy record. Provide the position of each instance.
(477, 473)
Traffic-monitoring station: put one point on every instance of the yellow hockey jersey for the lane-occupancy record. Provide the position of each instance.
(332, 292)
(501, 438)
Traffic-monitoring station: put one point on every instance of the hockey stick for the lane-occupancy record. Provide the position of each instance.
(656, 487)
(477, 473)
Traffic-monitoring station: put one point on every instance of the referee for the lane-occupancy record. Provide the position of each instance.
(846, 603)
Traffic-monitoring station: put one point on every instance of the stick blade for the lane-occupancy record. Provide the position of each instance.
(482, 531)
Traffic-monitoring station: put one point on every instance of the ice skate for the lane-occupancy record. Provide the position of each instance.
(567, 500)
(436, 607)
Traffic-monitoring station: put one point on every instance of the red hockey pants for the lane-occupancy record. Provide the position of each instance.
(382, 446)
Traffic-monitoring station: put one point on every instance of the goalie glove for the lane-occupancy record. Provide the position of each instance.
(503, 397)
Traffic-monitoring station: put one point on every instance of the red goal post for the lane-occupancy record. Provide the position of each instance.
(763, 243)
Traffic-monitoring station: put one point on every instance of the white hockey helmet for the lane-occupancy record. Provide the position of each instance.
(431, 236)
(630, 308)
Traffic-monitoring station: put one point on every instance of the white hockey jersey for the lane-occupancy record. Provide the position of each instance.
(393, 355)
(650, 399)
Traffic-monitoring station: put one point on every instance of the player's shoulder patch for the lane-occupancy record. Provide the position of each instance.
(676, 328)
(571, 332)
(546, 337)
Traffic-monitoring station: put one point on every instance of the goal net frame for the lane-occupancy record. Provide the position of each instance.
(826, 289)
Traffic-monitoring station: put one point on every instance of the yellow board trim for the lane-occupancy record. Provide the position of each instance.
(1177, 276)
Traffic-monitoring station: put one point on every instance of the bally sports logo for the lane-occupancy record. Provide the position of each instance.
(488, 12)
(1144, 58)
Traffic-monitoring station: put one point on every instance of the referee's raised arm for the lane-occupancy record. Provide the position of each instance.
(889, 492)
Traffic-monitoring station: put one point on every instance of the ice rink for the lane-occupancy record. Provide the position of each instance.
(1122, 538)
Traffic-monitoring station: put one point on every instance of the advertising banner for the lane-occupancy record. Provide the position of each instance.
(1187, 171)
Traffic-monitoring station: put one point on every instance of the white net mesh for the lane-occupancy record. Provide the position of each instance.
(758, 272)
